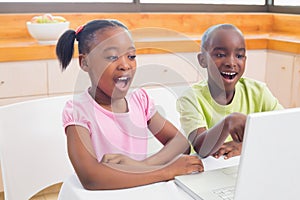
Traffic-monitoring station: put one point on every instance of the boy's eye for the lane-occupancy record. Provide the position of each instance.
(240, 56)
(132, 57)
(220, 55)
(112, 58)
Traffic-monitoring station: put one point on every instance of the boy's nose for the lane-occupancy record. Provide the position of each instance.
(123, 63)
(231, 61)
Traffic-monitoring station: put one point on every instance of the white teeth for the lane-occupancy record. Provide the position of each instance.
(123, 79)
(229, 73)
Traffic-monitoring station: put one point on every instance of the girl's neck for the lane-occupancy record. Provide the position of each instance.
(105, 101)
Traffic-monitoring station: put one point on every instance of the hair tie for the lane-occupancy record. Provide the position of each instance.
(79, 29)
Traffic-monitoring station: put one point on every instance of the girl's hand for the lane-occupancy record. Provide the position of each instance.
(120, 159)
(184, 164)
(229, 149)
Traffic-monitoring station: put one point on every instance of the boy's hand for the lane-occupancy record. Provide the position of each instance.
(236, 126)
(229, 149)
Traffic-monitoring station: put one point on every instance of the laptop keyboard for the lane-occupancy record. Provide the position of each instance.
(226, 193)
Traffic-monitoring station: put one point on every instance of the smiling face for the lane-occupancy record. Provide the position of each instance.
(224, 58)
(111, 64)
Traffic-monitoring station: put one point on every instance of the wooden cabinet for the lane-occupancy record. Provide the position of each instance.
(282, 77)
(26, 80)
(256, 65)
(1, 182)
(167, 69)
(73, 79)
(295, 101)
(19, 79)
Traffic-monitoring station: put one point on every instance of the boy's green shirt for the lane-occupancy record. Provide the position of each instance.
(198, 109)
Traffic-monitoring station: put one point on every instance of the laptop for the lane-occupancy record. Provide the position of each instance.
(269, 165)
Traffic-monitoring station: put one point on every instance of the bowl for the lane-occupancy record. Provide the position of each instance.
(47, 33)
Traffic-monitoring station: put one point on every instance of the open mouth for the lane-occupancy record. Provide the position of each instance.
(122, 82)
(229, 75)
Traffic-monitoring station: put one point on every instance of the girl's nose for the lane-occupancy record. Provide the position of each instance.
(123, 63)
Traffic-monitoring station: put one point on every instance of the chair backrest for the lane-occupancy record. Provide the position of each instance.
(33, 148)
(165, 98)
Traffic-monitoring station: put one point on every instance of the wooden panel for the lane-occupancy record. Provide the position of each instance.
(288, 24)
(285, 46)
(177, 32)
(15, 24)
(31, 51)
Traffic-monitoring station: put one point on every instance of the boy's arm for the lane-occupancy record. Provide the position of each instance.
(207, 142)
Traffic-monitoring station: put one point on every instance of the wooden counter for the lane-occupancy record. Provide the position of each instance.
(177, 32)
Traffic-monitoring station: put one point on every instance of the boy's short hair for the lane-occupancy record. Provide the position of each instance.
(206, 36)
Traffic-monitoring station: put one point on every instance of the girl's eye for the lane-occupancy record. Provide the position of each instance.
(112, 58)
(132, 57)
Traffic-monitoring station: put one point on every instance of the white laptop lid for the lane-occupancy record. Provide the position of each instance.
(270, 161)
(269, 164)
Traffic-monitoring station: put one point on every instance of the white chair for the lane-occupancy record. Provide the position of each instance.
(165, 98)
(73, 190)
(33, 147)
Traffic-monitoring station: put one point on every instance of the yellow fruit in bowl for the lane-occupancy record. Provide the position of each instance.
(47, 18)
(46, 29)
(59, 19)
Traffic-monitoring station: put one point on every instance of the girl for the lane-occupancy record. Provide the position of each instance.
(107, 129)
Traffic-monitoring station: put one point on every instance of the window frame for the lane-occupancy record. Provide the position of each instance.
(136, 6)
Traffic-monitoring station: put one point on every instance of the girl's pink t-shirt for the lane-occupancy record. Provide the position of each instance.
(125, 133)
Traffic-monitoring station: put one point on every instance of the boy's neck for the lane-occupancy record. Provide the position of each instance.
(221, 96)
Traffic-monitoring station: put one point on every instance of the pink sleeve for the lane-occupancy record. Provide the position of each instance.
(70, 116)
(148, 103)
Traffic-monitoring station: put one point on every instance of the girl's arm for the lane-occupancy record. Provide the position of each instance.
(207, 142)
(175, 143)
(94, 175)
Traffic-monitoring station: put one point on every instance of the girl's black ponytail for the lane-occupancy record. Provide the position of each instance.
(65, 48)
(83, 34)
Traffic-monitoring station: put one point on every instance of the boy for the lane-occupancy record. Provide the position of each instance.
(213, 112)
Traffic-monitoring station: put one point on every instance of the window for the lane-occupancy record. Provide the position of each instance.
(42, 6)
(236, 2)
(286, 2)
(72, 1)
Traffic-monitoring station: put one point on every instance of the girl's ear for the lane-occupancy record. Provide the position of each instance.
(202, 60)
(83, 63)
